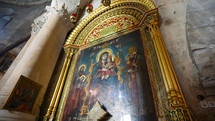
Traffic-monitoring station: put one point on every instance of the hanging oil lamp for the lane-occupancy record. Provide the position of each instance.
(106, 2)
(89, 8)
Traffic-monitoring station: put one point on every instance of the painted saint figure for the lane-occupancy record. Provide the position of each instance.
(132, 70)
(76, 96)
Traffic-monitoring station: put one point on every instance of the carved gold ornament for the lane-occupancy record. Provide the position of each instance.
(89, 8)
(106, 2)
(74, 17)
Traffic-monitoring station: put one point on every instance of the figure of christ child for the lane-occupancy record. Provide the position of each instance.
(107, 68)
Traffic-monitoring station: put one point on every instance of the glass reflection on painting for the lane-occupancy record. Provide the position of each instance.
(115, 74)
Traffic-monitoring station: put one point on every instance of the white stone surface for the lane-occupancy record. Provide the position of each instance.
(6, 115)
(200, 35)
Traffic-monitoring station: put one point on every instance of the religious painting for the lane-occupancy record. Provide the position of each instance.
(115, 74)
(24, 96)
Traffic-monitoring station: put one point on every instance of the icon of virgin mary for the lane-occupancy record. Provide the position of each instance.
(106, 68)
(104, 78)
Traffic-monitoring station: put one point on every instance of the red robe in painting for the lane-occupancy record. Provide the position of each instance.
(76, 96)
(107, 70)
(133, 81)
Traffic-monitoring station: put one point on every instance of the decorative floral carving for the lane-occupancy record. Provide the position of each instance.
(61, 12)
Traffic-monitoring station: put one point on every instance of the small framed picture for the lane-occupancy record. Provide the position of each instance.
(24, 96)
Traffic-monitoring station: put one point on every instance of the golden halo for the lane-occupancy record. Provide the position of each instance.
(83, 65)
(105, 50)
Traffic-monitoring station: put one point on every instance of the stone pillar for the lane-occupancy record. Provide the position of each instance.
(178, 108)
(15, 62)
(40, 57)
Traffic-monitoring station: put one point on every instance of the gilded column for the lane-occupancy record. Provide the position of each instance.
(50, 115)
(178, 108)
(58, 90)
(71, 71)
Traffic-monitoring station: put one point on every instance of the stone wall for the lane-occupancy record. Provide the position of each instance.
(16, 23)
(200, 35)
(173, 29)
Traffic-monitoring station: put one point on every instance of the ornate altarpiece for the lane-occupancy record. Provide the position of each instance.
(117, 56)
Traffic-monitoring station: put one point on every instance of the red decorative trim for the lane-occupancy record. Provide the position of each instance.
(74, 14)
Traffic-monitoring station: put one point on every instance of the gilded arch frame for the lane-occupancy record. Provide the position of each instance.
(146, 15)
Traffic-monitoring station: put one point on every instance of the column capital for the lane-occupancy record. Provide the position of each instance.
(61, 11)
(150, 22)
(150, 18)
(50, 11)
(71, 49)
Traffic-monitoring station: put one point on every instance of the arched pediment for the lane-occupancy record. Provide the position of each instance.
(119, 16)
